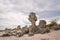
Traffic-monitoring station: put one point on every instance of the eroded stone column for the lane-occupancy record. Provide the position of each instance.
(32, 18)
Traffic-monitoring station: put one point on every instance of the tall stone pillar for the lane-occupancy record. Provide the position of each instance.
(32, 18)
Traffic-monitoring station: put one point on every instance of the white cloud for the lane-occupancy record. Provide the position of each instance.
(13, 19)
(12, 11)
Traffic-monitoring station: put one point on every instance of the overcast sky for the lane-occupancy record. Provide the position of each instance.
(15, 12)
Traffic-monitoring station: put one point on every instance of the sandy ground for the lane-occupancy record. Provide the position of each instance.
(48, 36)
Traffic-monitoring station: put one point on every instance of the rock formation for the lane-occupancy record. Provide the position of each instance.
(42, 24)
(32, 29)
(32, 18)
(25, 30)
(42, 27)
(55, 27)
(18, 27)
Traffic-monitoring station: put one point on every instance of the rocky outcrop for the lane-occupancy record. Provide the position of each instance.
(18, 27)
(32, 29)
(25, 30)
(32, 18)
(55, 27)
(42, 27)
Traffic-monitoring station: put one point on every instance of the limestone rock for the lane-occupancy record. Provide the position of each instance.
(5, 35)
(31, 30)
(56, 27)
(18, 27)
(25, 30)
(19, 34)
(42, 24)
(42, 27)
(32, 18)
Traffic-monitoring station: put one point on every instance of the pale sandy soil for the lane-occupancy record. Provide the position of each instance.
(55, 35)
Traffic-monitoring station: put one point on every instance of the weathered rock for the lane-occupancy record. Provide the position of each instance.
(8, 31)
(5, 35)
(56, 27)
(18, 27)
(22, 31)
(42, 27)
(25, 30)
(19, 34)
(31, 30)
(32, 18)
(42, 24)
(44, 30)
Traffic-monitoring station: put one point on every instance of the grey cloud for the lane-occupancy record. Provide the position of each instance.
(49, 14)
